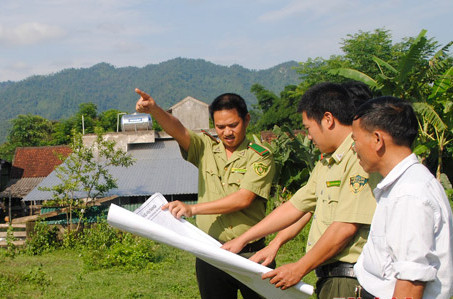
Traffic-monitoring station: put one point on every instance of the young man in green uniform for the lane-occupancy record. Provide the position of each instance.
(234, 181)
(338, 194)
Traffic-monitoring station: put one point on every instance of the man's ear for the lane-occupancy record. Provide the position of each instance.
(247, 119)
(328, 119)
(379, 141)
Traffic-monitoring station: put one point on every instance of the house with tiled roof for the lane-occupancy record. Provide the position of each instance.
(29, 167)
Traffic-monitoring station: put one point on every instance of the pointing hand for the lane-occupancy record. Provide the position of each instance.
(146, 103)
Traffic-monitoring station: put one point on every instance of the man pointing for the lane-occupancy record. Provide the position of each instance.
(234, 180)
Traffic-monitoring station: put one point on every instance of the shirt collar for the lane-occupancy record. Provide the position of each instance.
(340, 152)
(395, 173)
(239, 152)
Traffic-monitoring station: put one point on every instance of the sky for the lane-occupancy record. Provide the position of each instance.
(40, 37)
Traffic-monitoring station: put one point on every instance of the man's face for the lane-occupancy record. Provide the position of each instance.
(230, 127)
(363, 146)
(316, 133)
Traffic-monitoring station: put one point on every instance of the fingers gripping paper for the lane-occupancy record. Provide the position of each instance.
(149, 221)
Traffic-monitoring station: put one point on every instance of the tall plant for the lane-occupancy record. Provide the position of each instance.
(425, 79)
(295, 157)
(84, 175)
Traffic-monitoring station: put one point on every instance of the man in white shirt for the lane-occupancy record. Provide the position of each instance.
(409, 252)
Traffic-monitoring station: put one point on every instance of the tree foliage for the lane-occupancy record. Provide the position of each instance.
(272, 110)
(424, 76)
(26, 130)
(295, 157)
(85, 176)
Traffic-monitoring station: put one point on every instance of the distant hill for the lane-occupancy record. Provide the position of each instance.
(58, 95)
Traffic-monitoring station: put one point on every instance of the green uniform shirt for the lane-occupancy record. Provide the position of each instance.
(339, 190)
(219, 177)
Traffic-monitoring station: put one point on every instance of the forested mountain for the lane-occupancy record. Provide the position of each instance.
(58, 95)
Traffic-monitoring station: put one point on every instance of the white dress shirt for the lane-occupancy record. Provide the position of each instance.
(411, 235)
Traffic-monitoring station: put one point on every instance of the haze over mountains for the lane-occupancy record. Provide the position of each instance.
(58, 96)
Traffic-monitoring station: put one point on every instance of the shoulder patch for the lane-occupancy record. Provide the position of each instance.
(357, 183)
(210, 136)
(260, 150)
(260, 168)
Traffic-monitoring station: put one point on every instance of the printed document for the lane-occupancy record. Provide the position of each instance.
(150, 221)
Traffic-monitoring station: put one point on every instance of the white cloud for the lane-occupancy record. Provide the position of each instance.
(309, 8)
(29, 34)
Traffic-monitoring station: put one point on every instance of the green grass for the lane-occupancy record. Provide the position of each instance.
(62, 273)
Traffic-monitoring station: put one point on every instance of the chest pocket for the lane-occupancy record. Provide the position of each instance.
(328, 202)
(213, 183)
(235, 178)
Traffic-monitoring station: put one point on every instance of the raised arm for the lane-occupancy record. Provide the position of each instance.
(170, 124)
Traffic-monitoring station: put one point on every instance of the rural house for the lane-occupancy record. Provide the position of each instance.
(159, 166)
(30, 166)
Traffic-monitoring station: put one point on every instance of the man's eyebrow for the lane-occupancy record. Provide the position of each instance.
(224, 125)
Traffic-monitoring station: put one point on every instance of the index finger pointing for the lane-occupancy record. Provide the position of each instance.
(143, 94)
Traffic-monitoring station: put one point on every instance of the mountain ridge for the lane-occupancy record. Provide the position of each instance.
(57, 96)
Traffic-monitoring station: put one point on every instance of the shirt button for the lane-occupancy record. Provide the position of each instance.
(223, 184)
(226, 168)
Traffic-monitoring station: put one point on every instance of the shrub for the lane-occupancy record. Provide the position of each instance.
(43, 238)
(129, 252)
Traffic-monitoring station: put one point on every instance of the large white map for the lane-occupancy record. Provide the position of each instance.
(150, 221)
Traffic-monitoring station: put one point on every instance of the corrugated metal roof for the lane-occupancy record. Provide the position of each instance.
(158, 167)
(18, 188)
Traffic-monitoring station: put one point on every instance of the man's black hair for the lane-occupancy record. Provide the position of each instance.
(327, 97)
(228, 101)
(392, 115)
(358, 91)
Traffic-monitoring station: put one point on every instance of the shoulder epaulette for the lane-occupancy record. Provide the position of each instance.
(210, 136)
(260, 150)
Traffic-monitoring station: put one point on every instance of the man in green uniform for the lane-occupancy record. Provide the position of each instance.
(234, 181)
(338, 194)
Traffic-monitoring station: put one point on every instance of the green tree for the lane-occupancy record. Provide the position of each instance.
(357, 48)
(26, 130)
(273, 110)
(108, 120)
(295, 157)
(85, 120)
(87, 115)
(84, 175)
(423, 76)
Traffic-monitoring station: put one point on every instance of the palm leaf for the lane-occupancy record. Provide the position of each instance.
(438, 62)
(407, 61)
(381, 62)
(444, 83)
(354, 75)
(430, 115)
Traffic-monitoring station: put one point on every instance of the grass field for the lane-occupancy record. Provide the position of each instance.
(62, 274)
